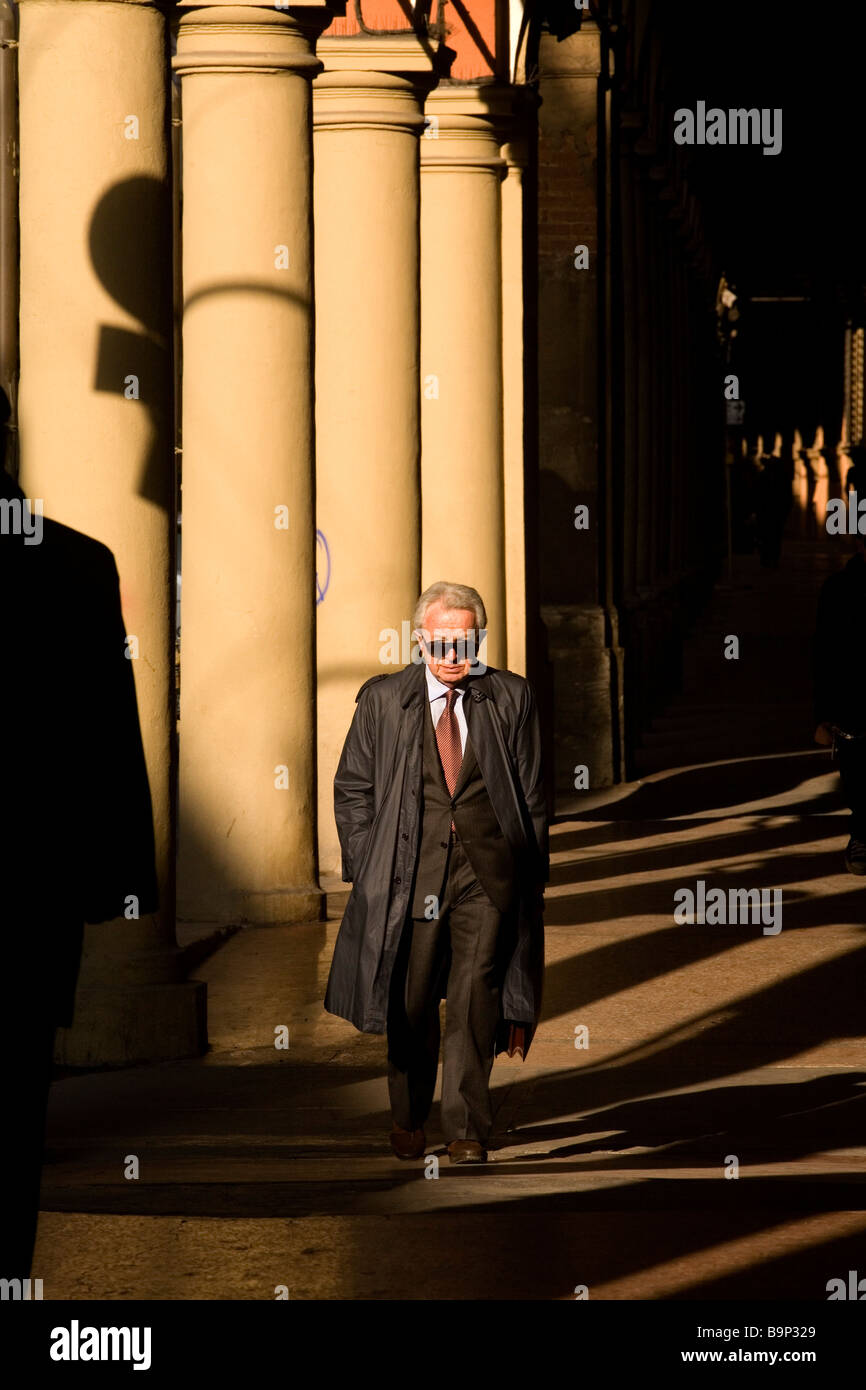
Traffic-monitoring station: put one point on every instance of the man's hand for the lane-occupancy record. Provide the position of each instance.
(824, 736)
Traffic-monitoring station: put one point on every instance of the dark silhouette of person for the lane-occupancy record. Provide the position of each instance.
(773, 502)
(840, 689)
(76, 825)
(744, 476)
(856, 474)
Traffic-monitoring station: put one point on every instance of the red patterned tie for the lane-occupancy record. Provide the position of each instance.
(449, 744)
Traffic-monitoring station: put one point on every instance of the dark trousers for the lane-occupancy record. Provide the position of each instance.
(852, 770)
(463, 953)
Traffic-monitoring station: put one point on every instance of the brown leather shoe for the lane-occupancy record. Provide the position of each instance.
(408, 1143)
(466, 1151)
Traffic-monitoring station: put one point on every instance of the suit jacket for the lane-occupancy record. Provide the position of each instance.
(472, 812)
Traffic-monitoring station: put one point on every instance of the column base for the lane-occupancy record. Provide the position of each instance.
(282, 906)
(582, 670)
(654, 624)
(134, 1023)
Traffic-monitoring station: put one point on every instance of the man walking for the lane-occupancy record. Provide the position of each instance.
(440, 808)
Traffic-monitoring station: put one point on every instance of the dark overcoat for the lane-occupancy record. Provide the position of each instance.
(839, 651)
(377, 806)
(76, 822)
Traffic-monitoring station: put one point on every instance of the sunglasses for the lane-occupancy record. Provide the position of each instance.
(464, 648)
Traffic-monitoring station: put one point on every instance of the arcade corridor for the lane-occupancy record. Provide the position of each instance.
(262, 1167)
(558, 309)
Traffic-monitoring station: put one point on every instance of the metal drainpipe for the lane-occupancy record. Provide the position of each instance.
(9, 222)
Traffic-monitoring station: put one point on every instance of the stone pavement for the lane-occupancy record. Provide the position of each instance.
(668, 1057)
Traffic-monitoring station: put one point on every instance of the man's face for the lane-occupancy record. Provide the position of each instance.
(449, 642)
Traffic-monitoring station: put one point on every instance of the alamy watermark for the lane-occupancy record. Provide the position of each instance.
(736, 907)
(846, 516)
(736, 126)
(19, 518)
(77, 1343)
(20, 1290)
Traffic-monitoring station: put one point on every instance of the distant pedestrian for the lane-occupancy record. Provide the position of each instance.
(855, 478)
(773, 501)
(840, 689)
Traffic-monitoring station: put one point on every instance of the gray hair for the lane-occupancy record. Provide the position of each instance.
(452, 596)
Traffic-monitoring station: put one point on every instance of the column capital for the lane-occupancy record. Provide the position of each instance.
(516, 129)
(467, 123)
(373, 81)
(404, 53)
(221, 38)
(578, 56)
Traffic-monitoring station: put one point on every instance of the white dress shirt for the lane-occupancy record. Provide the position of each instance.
(436, 692)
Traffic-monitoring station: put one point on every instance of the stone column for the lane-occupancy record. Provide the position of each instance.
(645, 404)
(667, 471)
(247, 725)
(682, 462)
(96, 426)
(656, 374)
(9, 250)
(368, 114)
(630, 367)
(462, 518)
(578, 617)
(515, 154)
